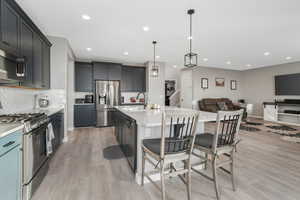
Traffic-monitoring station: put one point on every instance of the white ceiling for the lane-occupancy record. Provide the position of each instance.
(239, 31)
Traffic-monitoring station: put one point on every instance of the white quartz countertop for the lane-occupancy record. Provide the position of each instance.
(151, 118)
(6, 129)
(48, 111)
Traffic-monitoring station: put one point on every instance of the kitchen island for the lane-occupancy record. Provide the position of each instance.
(134, 124)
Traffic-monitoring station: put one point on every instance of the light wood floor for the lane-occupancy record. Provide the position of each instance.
(267, 168)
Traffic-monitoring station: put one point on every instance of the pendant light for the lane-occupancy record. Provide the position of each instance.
(154, 69)
(190, 59)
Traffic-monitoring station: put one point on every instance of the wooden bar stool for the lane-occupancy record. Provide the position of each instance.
(175, 145)
(221, 143)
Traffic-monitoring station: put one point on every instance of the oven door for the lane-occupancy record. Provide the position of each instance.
(34, 152)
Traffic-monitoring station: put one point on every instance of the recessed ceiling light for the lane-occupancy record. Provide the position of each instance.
(126, 53)
(146, 28)
(205, 59)
(288, 58)
(157, 56)
(228, 62)
(175, 66)
(85, 17)
(89, 49)
(267, 53)
(249, 65)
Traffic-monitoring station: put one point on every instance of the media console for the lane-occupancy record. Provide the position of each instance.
(287, 111)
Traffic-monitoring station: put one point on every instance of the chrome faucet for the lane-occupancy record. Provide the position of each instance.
(138, 96)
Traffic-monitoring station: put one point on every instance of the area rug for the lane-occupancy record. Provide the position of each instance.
(249, 128)
(288, 133)
(113, 152)
(254, 123)
(282, 128)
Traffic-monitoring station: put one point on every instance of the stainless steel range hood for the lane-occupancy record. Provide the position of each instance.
(8, 66)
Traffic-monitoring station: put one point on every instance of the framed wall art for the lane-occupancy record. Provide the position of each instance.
(220, 82)
(233, 85)
(204, 83)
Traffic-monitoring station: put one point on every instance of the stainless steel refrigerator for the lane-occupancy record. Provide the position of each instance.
(107, 96)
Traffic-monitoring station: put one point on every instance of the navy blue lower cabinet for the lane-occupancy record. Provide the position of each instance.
(84, 115)
(126, 135)
(57, 121)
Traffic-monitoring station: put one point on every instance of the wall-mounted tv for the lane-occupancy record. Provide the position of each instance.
(287, 84)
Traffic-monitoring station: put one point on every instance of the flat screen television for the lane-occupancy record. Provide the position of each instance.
(287, 84)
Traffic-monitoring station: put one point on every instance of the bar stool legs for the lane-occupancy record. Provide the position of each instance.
(206, 160)
(215, 176)
(189, 180)
(162, 179)
(143, 166)
(232, 170)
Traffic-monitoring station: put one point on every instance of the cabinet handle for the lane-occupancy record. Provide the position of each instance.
(9, 143)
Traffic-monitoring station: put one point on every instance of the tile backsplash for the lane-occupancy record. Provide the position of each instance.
(15, 100)
(128, 95)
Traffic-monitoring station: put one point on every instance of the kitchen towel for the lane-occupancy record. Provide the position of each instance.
(49, 137)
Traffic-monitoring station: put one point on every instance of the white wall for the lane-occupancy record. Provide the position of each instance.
(70, 91)
(255, 86)
(62, 74)
(155, 86)
(213, 91)
(59, 60)
(172, 73)
(259, 84)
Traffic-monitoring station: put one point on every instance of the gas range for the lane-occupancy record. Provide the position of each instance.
(29, 120)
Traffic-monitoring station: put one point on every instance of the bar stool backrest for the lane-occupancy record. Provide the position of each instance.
(178, 131)
(228, 125)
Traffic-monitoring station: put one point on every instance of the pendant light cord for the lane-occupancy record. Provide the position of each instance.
(154, 55)
(191, 33)
(154, 43)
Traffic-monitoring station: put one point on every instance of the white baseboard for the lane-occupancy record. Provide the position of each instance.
(256, 116)
(65, 139)
(70, 128)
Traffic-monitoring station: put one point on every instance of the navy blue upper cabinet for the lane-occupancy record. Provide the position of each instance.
(114, 72)
(133, 79)
(37, 61)
(100, 71)
(22, 38)
(41, 63)
(26, 48)
(107, 71)
(83, 77)
(9, 28)
(46, 66)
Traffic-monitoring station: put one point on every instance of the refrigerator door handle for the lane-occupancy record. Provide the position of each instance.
(108, 95)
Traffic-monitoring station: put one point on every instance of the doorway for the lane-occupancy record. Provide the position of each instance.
(170, 88)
